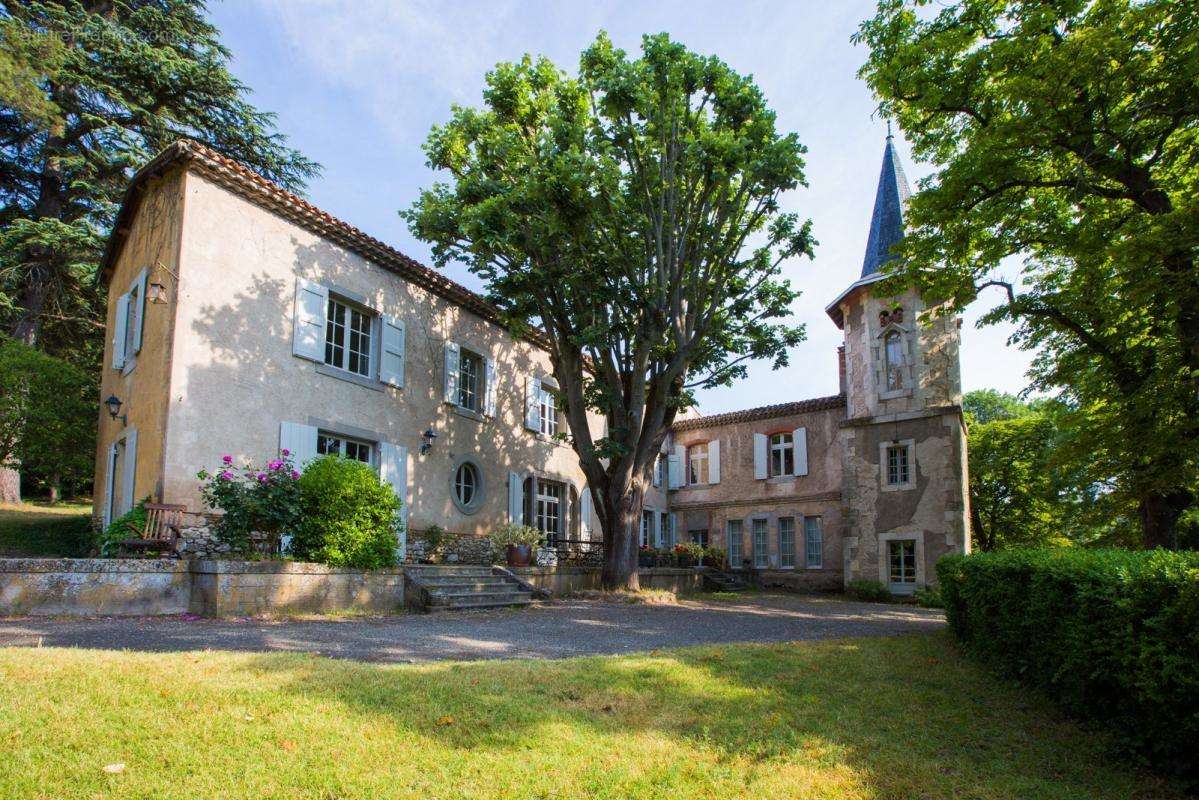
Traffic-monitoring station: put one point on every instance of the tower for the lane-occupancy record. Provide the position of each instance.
(903, 441)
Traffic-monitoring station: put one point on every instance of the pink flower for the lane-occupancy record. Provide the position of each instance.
(262, 477)
(227, 459)
(286, 452)
(295, 474)
(226, 475)
(275, 465)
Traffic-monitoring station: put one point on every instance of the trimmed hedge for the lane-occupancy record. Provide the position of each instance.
(1111, 635)
(349, 517)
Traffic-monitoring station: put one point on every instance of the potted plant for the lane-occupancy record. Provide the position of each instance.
(645, 556)
(714, 557)
(688, 554)
(517, 542)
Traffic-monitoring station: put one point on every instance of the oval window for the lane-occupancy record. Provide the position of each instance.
(466, 483)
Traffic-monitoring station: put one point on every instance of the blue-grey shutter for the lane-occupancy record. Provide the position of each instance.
(761, 456)
(118, 331)
(516, 498)
(391, 360)
(308, 328)
(393, 469)
(140, 309)
(299, 441)
(585, 512)
(452, 364)
(129, 471)
(714, 461)
(800, 437)
(489, 387)
(532, 404)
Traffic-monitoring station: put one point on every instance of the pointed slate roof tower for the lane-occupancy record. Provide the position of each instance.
(886, 223)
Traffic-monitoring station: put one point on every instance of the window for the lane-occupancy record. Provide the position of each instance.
(470, 370)
(665, 533)
(735, 535)
(547, 409)
(893, 361)
(813, 536)
(659, 470)
(545, 507)
(761, 547)
(782, 454)
(901, 558)
(344, 446)
(348, 332)
(697, 463)
(699, 536)
(647, 528)
(786, 541)
(898, 465)
(466, 485)
(131, 321)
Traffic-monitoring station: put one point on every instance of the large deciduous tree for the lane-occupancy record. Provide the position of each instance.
(632, 215)
(1066, 133)
(89, 90)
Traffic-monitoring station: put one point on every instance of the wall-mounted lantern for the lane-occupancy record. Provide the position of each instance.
(113, 404)
(427, 440)
(157, 293)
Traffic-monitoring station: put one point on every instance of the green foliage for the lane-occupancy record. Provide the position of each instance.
(48, 414)
(255, 502)
(631, 191)
(929, 597)
(1111, 635)
(689, 550)
(988, 405)
(90, 92)
(434, 536)
(1065, 134)
(349, 517)
(127, 526)
(513, 534)
(868, 591)
(61, 530)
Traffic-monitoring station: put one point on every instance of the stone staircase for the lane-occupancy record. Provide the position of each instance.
(446, 587)
(715, 581)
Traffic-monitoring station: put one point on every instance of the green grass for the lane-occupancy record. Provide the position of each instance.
(872, 718)
(41, 529)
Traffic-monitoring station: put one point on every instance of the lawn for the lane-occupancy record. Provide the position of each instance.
(866, 718)
(41, 529)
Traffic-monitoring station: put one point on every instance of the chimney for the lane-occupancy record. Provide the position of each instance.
(841, 368)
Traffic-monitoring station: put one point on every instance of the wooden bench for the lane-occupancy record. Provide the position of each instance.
(162, 529)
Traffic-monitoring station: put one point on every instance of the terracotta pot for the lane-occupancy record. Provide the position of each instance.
(519, 555)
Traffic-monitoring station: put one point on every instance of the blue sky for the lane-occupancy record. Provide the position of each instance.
(357, 84)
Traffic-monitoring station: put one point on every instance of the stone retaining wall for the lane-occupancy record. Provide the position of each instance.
(135, 587)
(564, 579)
(460, 548)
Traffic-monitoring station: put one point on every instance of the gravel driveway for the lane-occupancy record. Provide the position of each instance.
(555, 630)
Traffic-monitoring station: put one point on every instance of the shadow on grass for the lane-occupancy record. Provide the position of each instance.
(32, 532)
(907, 716)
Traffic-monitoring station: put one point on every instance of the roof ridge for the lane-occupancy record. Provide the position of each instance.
(763, 412)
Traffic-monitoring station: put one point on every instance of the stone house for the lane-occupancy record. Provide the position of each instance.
(245, 320)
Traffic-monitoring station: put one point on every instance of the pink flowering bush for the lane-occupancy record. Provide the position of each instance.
(266, 501)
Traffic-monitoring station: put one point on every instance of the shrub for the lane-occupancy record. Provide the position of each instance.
(349, 518)
(513, 534)
(254, 501)
(1111, 635)
(870, 591)
(122, 528)
(929, 597)
(692, 551)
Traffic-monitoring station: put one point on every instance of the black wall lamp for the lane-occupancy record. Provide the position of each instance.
(427, 440)
(113, 404)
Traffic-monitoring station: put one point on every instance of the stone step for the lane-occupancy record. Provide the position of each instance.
(463, 583)
(434, 570)
(478, 599)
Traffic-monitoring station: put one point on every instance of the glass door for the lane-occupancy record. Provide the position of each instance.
(901, 560)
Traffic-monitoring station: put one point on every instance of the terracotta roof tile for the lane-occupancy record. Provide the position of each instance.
(763, 412)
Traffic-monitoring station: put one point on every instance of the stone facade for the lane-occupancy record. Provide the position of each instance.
(237, 359)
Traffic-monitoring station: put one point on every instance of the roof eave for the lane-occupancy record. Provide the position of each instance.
(833, 309)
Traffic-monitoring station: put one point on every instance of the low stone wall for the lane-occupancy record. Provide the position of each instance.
(564, 579)
(135, 587)
(806, 581)
(82, 586)
(461, 548)
(243, 588)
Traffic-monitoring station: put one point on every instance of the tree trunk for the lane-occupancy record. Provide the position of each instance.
(622, 518)
(55, 489)
(1159, 517)
(10, 485)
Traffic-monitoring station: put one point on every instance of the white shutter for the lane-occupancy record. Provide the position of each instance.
(129, 470)
(656, 473)
(532, 407)
(585, 512)
(453, 355)
(714, 461)
(299, 441)
(308, 323)
(516, 498)
(489, 387)
(674, 467)
(393, 469)
(760, 455)
(111, 456)
(391, 354)
(800, 437)
(118, 332)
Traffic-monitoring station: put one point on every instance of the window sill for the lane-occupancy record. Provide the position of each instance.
(781, 479)
(467, 413)
(349, 377)
(129, 366)
(894, 394)
(898, 487)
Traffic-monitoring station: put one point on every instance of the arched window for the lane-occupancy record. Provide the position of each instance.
(893, 360)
